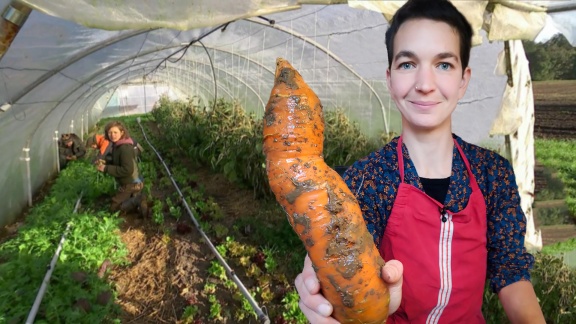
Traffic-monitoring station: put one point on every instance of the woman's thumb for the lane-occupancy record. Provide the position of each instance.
(392, 273)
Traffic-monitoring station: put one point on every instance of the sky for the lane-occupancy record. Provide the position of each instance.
(560, 22)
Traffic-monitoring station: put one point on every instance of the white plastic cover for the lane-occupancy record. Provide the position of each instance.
(142, 14)
(516, 118)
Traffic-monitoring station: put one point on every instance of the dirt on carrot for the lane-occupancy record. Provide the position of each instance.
(319, 205)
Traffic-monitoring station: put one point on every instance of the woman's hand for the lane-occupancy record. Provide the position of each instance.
(318, 310)
(101, 167)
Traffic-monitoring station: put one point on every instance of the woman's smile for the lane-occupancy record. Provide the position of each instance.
(423, 105)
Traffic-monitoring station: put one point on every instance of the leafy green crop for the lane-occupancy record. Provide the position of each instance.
(230, 141)
(74, 293)
(559, 155)
(560, 247)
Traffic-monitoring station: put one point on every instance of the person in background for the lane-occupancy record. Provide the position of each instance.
(124, 168)
(100, 143)
(445, 214)
(104, 155)
(70, 148)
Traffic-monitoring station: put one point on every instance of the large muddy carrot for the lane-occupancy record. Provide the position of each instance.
(319, 205)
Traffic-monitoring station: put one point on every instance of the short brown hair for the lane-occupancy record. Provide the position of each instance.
(437, 10)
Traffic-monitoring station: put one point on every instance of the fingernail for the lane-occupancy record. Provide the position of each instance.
(325, 310)
(311, 284)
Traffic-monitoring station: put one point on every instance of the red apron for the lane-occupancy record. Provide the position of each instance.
(444, 254)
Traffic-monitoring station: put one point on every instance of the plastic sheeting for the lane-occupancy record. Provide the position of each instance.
(56, 73)
(516, 120)
(143, 14)
(130, 99)
(503, 19)
(472, 10)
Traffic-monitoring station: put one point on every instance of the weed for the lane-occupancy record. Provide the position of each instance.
(189, 314)
(217, 270)
(209, 288)
(291, 309)
(215, 308)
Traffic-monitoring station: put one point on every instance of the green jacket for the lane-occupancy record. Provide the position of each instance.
(123, 166)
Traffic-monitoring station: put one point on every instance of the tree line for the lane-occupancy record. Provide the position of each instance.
(553, 60)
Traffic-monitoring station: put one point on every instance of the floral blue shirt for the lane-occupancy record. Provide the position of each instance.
(375, 180)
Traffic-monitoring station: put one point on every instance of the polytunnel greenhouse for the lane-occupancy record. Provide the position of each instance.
(70, 66)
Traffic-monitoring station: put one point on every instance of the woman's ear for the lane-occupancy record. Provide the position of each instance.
(464, 82)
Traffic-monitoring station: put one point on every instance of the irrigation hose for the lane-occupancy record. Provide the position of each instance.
(42, 290)
(263, 318)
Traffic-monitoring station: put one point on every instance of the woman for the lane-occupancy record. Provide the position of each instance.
(70, 148)
(444, 213)
(124, 168)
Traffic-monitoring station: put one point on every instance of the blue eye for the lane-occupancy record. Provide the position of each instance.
(445, 66)
(405, 66)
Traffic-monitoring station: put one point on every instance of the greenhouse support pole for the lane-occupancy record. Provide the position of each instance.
(40, 295)
(26, 159)
(55, 138)
(144, 86)
(72, 126)
(82, 129)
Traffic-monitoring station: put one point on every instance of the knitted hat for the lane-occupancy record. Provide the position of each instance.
(65, 138)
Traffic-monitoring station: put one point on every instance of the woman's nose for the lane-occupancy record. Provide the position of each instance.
(425, 81)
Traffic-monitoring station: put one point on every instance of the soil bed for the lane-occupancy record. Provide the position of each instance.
(167, 270)
(555, 121)
(555, 118)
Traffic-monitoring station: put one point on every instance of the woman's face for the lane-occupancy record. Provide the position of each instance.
(114, 133)
(426, 79)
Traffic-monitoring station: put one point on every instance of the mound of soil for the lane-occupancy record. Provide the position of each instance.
(162, 275)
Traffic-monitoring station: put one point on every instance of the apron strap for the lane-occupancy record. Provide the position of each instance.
(473, 183)
(400, 159)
